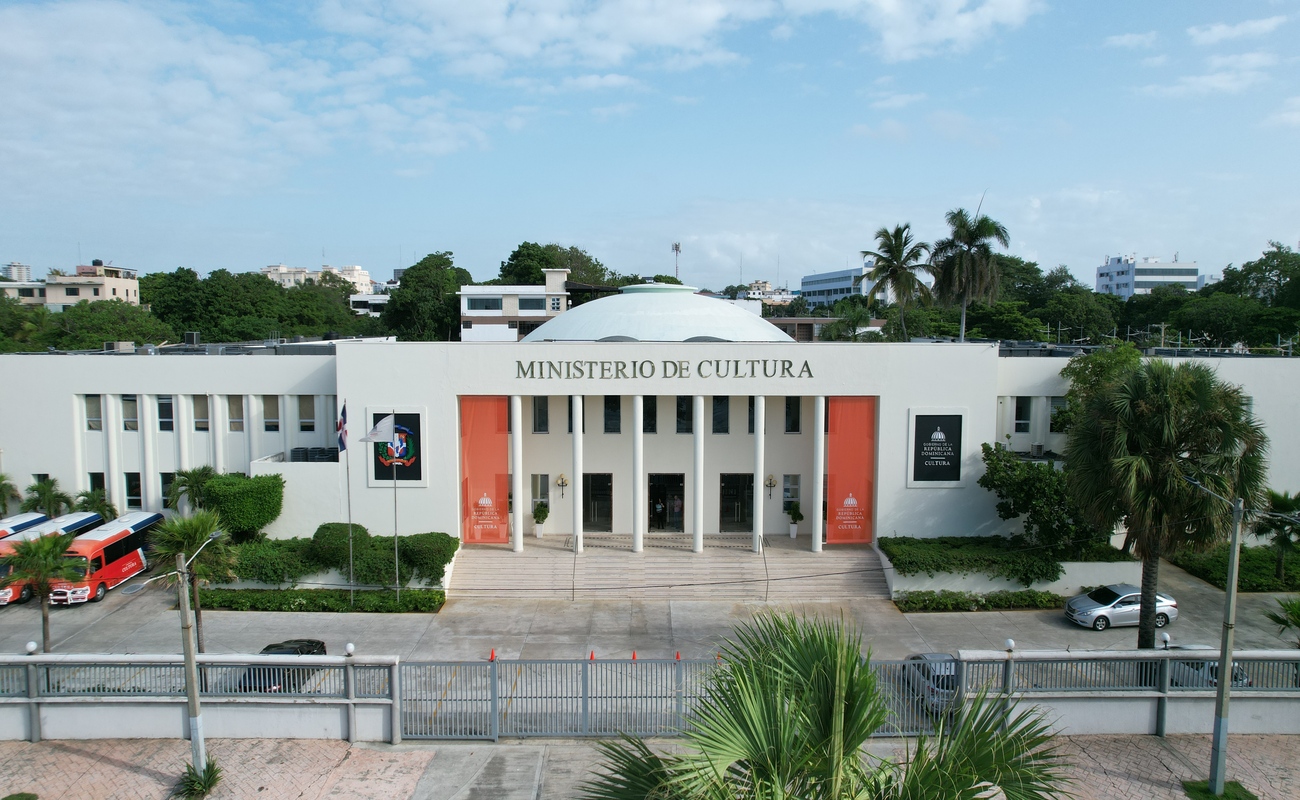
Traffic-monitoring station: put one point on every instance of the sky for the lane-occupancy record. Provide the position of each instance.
(771, 138)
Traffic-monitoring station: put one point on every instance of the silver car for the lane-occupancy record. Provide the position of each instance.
(1203, 673)
(933, 679)
(1118, 604)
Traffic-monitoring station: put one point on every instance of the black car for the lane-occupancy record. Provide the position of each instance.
(282, 679)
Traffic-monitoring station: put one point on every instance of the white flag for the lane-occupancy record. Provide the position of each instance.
(382, 432)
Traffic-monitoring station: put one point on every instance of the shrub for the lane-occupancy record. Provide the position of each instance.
(428, 554)
(969, 601)
(795, 512)
(245, 505)
(374, 565)
(1257, 569)
(274, 560)
(336, 600)
(197, 783)
(329, 545)
(541, 512)
(994, 556)
(422, 556)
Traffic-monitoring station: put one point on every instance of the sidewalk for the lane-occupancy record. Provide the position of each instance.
(1106, 767)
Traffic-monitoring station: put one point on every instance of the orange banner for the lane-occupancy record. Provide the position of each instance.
(484, 470)
(850, 469)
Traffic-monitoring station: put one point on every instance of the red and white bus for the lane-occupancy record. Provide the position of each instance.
(20, 522)
(74, 523)
(107, 556)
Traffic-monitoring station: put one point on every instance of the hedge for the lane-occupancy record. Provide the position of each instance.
(379, 602)
(422, 556)
(1257, 568)
(993, 556)
(969, 601)
(246, 505)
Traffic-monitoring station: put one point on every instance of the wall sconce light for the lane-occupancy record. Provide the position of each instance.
(561, 482)
(770, 483)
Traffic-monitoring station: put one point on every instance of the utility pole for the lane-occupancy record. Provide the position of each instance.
(1219, 741)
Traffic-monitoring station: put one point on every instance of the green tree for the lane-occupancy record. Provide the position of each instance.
(1273, 278)
(189, 484)
(898, 258)
(1003, 320)
(1038, 493)
(215, 564)
(1284, 534)
(1145, 313)
(1287, 617)
(40, 564)
(964, 264)
(1219, 320)
(1021, 281)
(582, 266)
(87, 325)
(8, 493)
(95, 500)
(786, 715)
(245, 505)
(1081, 315)
(426, 308)
(850, 326)
(525, 265)
(1131, 452)
(46, 497)
(1091, 374)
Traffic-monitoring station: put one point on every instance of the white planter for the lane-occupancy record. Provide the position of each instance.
(537, 528)
(794, 529)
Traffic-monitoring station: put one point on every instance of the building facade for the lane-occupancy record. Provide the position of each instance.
(509, 313)
(91, 282)
(828, 288)
(297, 276)
(1125, 276)
(16, 272)
(765, 293)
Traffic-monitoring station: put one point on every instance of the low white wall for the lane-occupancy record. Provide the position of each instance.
(314, 493)
(1076, 575)
(333, 579)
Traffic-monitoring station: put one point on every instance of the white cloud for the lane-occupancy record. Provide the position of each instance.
(604, 113)
(956, 126)
(1155, 61)
(1228, 75)
(782, 32)
(889, 129)
(895, 100)
(1133, 41)
(1288, 114)
(593, 82)
(1222, 32)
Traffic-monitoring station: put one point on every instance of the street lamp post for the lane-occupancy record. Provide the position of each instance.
(1219, 743)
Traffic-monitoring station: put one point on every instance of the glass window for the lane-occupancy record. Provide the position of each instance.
(96, 481)
(541, 415)
(751, 414)
(72, 292)
(541, 490)
(650, 414)
(1058, 405)
(306, 413)
(26, 292)
(133, 498)
(96, 292)
(94, 413)
(789, 492)
(40, 477)
(165, 483)
(130, 413)
(722, 415)
(684, 417)
(271, 413)
(200, 412)
(532, 304)
(613, 413)
(466, 324)
(166, 416)
(792, 408)
(484, 304)
(235, 407)
(555, 304)
(1023, 405)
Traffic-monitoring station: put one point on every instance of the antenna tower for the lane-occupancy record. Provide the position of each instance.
(677, 251)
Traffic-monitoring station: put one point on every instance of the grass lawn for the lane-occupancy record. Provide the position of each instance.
(1200, 790)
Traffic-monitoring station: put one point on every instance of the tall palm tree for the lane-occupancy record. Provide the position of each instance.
(1285, 533)
(1131, 453)
(898, 259)
(185, 535)
(964, 264)
(46, 497)
(8, 492)
(786, 715)
(850, 326)
(95, 500)
(188, 485)
(40, 563)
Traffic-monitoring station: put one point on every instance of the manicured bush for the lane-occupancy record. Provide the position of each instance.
(246, 505)
(329, 544)
(993, 556)
(428, 554)
(969, 601)
(374, 565)
(383, 602)
(422, 556)
(274, 560)
(1257, 569)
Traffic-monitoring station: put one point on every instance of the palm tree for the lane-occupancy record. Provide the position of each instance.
(188, 485)
(185, 535)
(46, 497)
(1284, 532)
(95, 500)
(786, 715)
(1131, 454)
(964, 265)
(8, 492)
(1287, 617)
(40, 563)
(897, 260)
(850, 326)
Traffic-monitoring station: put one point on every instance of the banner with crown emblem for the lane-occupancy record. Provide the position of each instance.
(850, 469)
(484, 470)
(936, 455)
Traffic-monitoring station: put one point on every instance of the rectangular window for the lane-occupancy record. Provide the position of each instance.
(200, 412)
(166, 481)
(71, 292)
(751, 414)
(650, 414)
(722, 415)
(166, 416)
(541, 415)
(555, 304)
(532, 304)
(133, 497)
(613, 413)
(40, 477)
(96, 292)
(541, 490)
(96, 481)
(789, 492)
(94, 413)
(792, 409)
(1023, 406)
(306, 413)
(26, 292)
(271, 413)
(466, 325)
(235, 407)
(130, 413)
(685, 419)
(1058, 405)
(484, 304)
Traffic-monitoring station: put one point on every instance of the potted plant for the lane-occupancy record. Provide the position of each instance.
(540, 512)
(796, 516)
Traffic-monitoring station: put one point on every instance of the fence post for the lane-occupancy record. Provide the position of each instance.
(350, 691)
(494, 727)
(395, 694)
(34, 707)
(1162, 703)
(679, 705)
(586, 697)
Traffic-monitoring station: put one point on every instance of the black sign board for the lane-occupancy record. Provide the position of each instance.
(405, 454)
(937, 450)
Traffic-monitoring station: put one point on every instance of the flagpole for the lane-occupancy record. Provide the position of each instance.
(397, 573)
(347, 458)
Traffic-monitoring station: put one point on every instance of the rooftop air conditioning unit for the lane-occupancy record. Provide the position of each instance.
(192, 338)
(1036, 450)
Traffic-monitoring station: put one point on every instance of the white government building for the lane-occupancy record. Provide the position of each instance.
(694, 416)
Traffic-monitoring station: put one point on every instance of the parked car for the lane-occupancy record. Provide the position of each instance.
(1118, 604)
(933, 678)
(1203, 672)
(278, 678)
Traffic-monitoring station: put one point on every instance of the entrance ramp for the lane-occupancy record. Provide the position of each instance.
(667, 570)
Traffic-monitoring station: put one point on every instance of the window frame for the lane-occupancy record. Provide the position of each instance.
(685, 421)
(131, 421)
(202, 422)
(721, 415)
(270, 424)
(650, 414)
(541, 414)
(166, 422)
(613, 413)
(1023, 425)
(134, 500)
(306, 424)
(235, 402)
(793, 412)
(96, 422)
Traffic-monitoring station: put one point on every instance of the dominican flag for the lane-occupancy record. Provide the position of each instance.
(343, 428)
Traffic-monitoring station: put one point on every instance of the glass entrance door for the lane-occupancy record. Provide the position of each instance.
(598, 502)
(667, 502)
(736, 503)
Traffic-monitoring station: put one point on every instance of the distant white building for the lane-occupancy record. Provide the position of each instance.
(763, 292)
(297, 276)
(92, 282)
(16, 272)
(369, 305)
(509, 313)
(1125, 276)
(828, 288)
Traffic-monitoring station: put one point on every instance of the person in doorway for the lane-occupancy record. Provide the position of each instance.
(677, 511)
(659, 514)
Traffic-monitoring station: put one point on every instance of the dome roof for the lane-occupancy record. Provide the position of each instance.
(657, 312)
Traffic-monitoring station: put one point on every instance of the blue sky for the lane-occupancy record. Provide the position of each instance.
(236, 135)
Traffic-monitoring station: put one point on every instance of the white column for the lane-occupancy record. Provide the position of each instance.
(760, 422)
(219, 425)
(638, 473)
(80, 481)
(697, 517)
(285, 423)
(150, 486)
(184, 426)
(114, 481)
(253, 416)
(517, 472)
(819, 470)
(576, 483)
